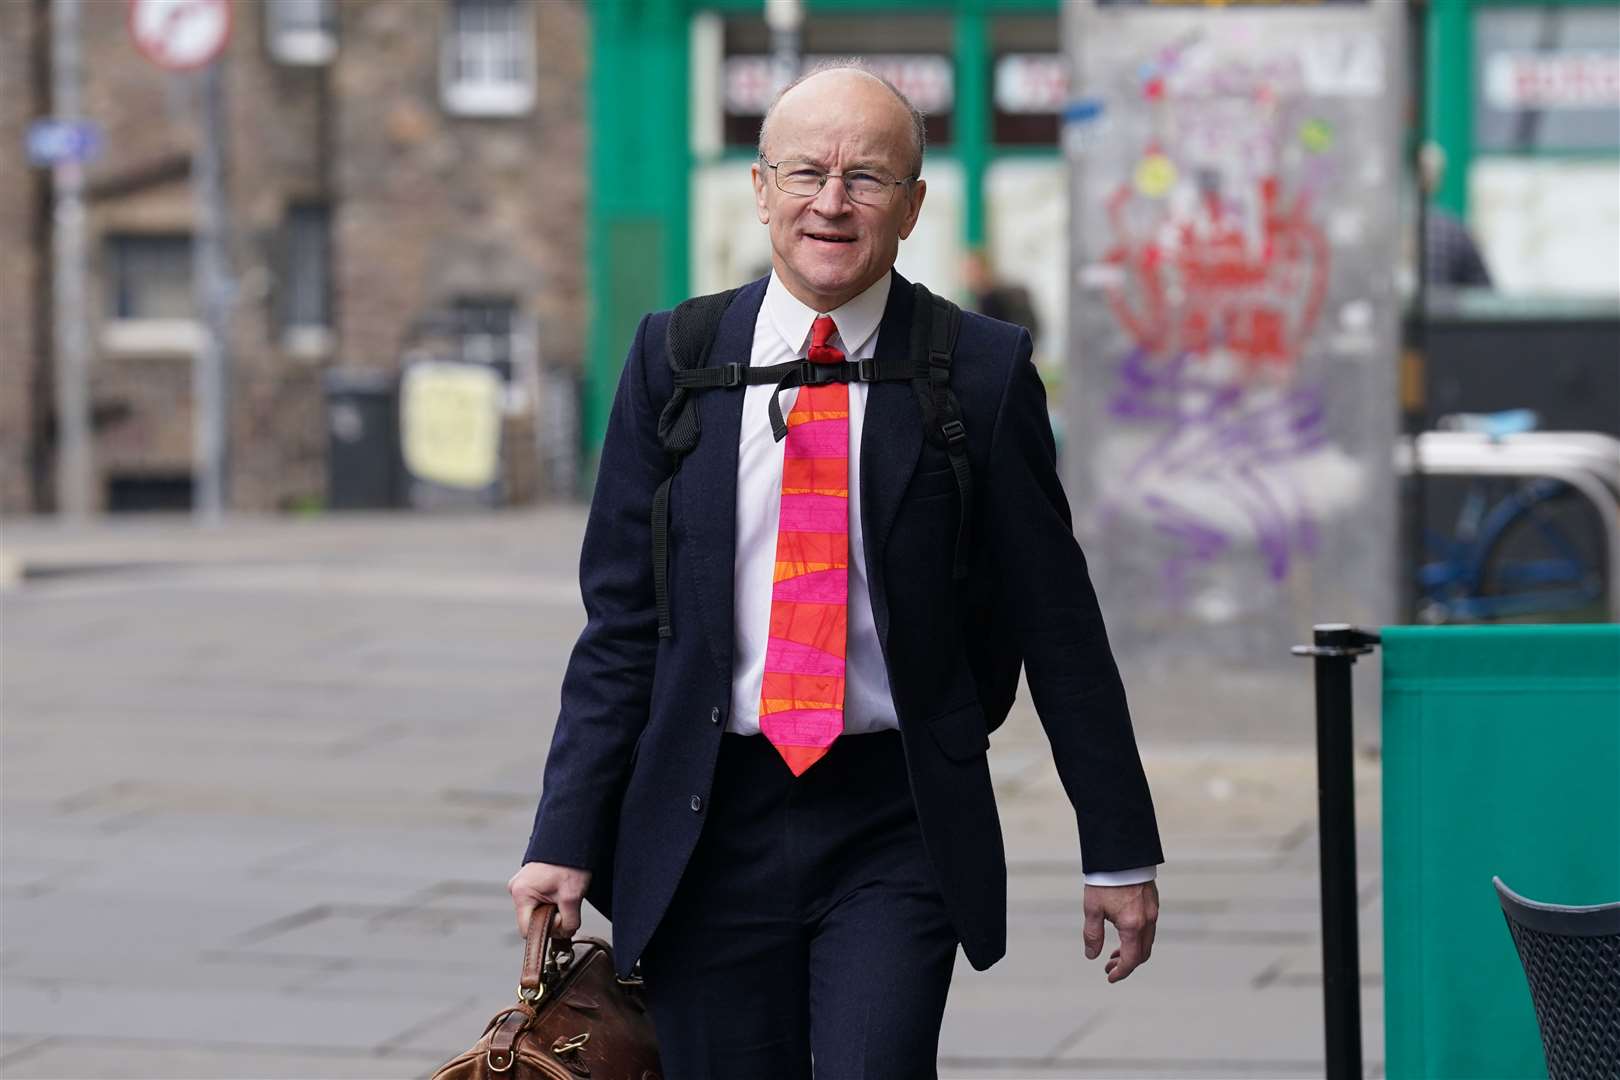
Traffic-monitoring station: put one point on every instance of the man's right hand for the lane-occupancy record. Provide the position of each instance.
(562, 885)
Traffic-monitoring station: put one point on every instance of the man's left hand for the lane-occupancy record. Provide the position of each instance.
(1134, 911)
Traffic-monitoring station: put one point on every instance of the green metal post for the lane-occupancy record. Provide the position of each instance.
(972, 114)
(1449, 96)
(638, 186)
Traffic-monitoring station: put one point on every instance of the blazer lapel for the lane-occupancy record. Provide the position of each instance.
(709, 479)
(891, 442)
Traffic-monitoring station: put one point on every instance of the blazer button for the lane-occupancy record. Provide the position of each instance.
(714, 715)
(697, 804)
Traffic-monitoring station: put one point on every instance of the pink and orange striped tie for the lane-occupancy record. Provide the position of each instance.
(801, 708)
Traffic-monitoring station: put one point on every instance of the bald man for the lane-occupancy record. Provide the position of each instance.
(785, 805)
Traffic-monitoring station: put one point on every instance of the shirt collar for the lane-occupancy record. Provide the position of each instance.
(857, 320)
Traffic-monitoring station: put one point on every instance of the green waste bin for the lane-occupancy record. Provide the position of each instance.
(1501, 756)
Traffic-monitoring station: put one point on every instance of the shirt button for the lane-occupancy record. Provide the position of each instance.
(714, 715)
(697, 804)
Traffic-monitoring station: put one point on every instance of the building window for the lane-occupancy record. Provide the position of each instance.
(306, 280)
(150, 277)
(487, 66)
(485, 330)
(301, 32)
(150, 300)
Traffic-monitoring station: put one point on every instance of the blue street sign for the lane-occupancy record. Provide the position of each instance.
(51, 142)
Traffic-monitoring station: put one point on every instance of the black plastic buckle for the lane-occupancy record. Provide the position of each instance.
(867, 370)
(813, 374)
(734, 375)
(954, 431)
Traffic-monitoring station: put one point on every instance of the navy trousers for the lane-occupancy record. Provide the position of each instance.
(807, 925)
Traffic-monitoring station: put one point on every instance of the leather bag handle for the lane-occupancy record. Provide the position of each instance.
(540, 949)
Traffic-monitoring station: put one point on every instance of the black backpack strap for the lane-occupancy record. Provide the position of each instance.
(687, 338)
(935, 323)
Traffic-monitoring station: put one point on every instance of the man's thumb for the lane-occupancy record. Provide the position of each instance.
(525, 913)
(1093, 934)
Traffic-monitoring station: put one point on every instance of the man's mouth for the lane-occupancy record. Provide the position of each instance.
(830, 238)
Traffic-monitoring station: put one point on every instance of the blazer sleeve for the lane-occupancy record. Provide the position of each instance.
(1046, 597)
(607, 687)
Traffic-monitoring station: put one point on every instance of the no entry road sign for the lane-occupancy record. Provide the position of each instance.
(179, 35)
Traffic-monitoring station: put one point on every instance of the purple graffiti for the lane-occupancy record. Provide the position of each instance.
(1225, 440)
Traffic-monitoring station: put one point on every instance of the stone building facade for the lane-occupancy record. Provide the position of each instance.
(386, 162)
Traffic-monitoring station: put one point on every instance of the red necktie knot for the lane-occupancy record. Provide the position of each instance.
(821, 332)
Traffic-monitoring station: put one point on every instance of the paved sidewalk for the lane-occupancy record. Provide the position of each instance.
(261, 788)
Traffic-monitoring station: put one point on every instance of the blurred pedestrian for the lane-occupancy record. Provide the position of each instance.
(997, 298)
(1450, 257)
(785, 805)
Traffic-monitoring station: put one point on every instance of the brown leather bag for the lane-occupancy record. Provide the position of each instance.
(574, 1018)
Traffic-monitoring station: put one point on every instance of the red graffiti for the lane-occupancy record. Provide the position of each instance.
(1204, 280)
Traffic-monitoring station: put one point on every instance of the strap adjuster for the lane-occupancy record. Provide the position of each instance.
(734, 376)
(954, 431)
(866, 370)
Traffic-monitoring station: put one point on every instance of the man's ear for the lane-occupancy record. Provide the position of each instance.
(761, 206)
(919, 189)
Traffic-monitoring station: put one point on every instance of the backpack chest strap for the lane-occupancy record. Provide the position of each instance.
(795, 373)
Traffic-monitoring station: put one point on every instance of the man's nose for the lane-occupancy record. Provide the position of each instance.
(833, 198)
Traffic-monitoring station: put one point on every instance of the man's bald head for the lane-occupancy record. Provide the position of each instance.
(844, 71)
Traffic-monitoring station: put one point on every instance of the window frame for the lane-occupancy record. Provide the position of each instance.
(464, 98)
(137, 334)
(304, 338)
(301, 45)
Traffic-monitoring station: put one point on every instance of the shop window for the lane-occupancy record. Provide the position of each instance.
(1547, 78)
(922, 68)
(1030, 81)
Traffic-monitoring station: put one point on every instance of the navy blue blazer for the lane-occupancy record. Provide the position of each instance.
(633, 754)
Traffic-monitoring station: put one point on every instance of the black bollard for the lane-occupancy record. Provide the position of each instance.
(1336, 647)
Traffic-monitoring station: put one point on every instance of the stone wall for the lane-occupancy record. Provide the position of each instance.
(426, 207)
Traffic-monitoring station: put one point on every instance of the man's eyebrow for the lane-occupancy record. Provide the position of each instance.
(860, 165)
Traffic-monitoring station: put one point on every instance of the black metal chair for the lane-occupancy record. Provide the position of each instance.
(1571, 958)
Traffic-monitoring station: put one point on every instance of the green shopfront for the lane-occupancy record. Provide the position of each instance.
(678, 86)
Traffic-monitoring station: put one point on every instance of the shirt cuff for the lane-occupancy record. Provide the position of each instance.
(1123, 877)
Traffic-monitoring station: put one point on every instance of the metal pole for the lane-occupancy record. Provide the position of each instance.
(75, 465)
(214, 294)
(1336, 647)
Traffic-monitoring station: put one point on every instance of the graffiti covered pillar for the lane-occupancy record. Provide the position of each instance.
(1236, 172)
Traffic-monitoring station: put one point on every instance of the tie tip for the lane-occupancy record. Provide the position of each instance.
(800, 758)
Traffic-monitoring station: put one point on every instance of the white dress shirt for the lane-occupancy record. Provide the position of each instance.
(782, 334)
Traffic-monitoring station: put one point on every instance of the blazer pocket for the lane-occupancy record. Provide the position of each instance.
(961, 732)
(932, 482)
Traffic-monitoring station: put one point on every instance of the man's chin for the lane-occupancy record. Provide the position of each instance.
(833, 281)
